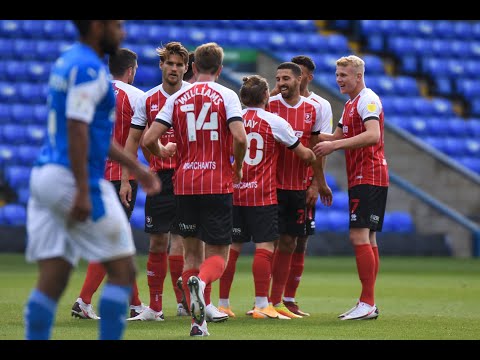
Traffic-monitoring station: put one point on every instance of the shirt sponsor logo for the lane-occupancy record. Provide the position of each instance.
(246, 185)
(200, 165)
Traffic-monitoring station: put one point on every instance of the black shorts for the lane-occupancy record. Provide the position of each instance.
(207, 217)
(310, 221)
(160, 209)
(367, 206)
(134, 185)
(291, 212)
(256, 223)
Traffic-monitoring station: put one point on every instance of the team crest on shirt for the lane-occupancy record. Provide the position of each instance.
(149, 221)
(308, 118)
(372, 107)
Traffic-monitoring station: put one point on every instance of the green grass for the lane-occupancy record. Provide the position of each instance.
(418, 298)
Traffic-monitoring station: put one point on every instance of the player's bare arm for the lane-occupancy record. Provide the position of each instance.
(239, 148)
(131, 147)
(369, 137)
(78, 139)
(149, 181)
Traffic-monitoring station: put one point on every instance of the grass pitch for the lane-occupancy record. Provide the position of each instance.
(418, 298)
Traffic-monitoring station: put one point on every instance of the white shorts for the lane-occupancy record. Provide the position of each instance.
(49, 232)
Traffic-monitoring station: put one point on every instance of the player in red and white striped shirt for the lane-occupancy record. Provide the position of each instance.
(160, 208)
(255, 211)
(123, 66)
(360, 133)
(314, 188)
(305, 117)
(207, 118)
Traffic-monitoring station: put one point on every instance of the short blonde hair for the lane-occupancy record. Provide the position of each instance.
(354, 61)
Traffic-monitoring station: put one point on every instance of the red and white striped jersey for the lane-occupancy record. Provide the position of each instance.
(199, 115)
(366, 165)
(327, 124)
(146, 109)
(126, 96)
(264, 132)
(305, 119)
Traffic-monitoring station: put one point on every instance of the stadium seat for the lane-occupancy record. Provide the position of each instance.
(17, 175)
(23, 195)
(374, 64)
(8, 93)
(473, 127)
(40, 114)
(5, 113)
(338, 221)
(340, 201)
(14, 134)
(6, 154)
(38, 71)
(14, 214)
(137, 219)
(27, 154)
(35, 134)
(21, 113)
(321, 222)
(6, 48)
(406, 85)
(10, 28)
(31, 93)
(332, 182)
(147, 75)
(402, 222)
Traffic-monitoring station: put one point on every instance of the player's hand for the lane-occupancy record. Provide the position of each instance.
(149, 181)
(326, 195)
(125, 193)
(81, 208)
(312, 196)
(169, 150)
(323, 148)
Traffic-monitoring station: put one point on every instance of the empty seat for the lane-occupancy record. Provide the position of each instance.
(14, 214)
(14, 134)
(137, 220)
(338, 221)
(17, 175)
(27, 154)
(406, 85)
(340, 201)
(22, 113)
(35, 134)
(8, 93)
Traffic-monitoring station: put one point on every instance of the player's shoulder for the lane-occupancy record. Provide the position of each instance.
(321, 100)
(128, 88)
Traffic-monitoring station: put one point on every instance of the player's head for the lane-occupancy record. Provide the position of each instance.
(123, 65)
(350, 74)
(254, 91)
(208, 59)
(308, 67)
(189, 75)
(104, 35)
(288, 79)
(173, 62)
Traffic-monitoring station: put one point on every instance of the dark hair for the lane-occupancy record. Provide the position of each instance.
(306, 61)
(189, 74)
(296, 69)
(83, 26)
(119, 62)
(252, 92)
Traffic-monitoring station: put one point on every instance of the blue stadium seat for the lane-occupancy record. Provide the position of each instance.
(7, 152)
(321, 222)
(402, 222)
(406, 85)
(8, 93)
(436, 126)
(40, 114)
(443, 29)
(35, 134)
(400, 45)
(137, 219)
(471, 162)
(455, 147)
(472, 147)
(32, 29)
(14, 134)
(57, 29)
(38, 71)
(473, 126)
(5, 113)
(27, 154)
(382, 84)
(22, 113)
(16, 71)
(332, 182)
(17, 175)
(10, 28)
(457, 127)
(14, 214)
(442, 107)
(6, 48)
(417, 125)
(340, 201)
(374, 64)
(338, 221)
(23, 195)
(141, 198)
(32, 93)
(47, 50)
(147, 75)
(338, 44)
